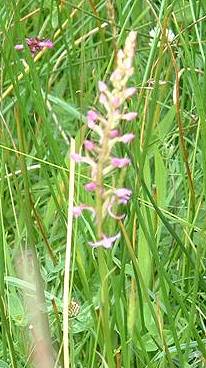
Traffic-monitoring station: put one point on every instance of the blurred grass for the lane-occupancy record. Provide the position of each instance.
(142, 304)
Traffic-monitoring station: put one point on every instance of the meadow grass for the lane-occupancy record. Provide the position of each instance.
(141, 303)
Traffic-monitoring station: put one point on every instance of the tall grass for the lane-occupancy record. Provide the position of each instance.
(142, 303)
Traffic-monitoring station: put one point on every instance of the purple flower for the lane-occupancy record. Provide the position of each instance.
(127, 138)
(129, 116)
(91, 116)
(114, 133)
(105, 242)
(103, 100)
(116, 102)
(78, 158)
(116, 76)
(129, 92)
(123, 195)
(102, 86)
(106, 133)
(46, 43)
(77, 211)
(90, 187)
(35, 44)
(120, 162)
(19, 47)
(89, 145)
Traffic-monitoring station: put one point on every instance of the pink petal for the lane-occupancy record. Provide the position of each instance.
(114, 133)
(120, 162)
(91, 116)
(129, 92)
(90, 187)
(89, 145)
(105, 242)
(46, 43)
(127, 138)
(116, 102)
(123, 194)
(103, 99)
(19, 47)
(76, 157)
(102, 86)
(129, 116)
(116, 76)
(77, 211)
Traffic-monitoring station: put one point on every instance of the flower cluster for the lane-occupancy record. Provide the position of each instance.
(35, 45)
(100, 150)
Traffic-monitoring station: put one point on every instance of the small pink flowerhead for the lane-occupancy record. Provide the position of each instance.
(116, 102)
(103, 99)
(129, 92)
(116, 76)
(129, 116)
(90, 187)
(89, 145)
(35, 44)
(102, 86)
(46, 43)
(76, 157)
(127, 138)
(106, 242)
(123, 195)
(91, 116)
(19, 47)
(120, 162)
(77, 211)
(114, 133)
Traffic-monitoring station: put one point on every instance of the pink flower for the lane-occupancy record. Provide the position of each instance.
(105, 242)
(77, 211)
(78, 158)
(103, 100)
(123, 195)
(114, 133)
(102, 86)
(89, 145)
(127, 138)
(35, 44)
(19, 47)
(90, 187)
(46, 43)
(129, 116)
(116, 76)
(116, 102)
(129, 92)
(91, 116)
(120, 162)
